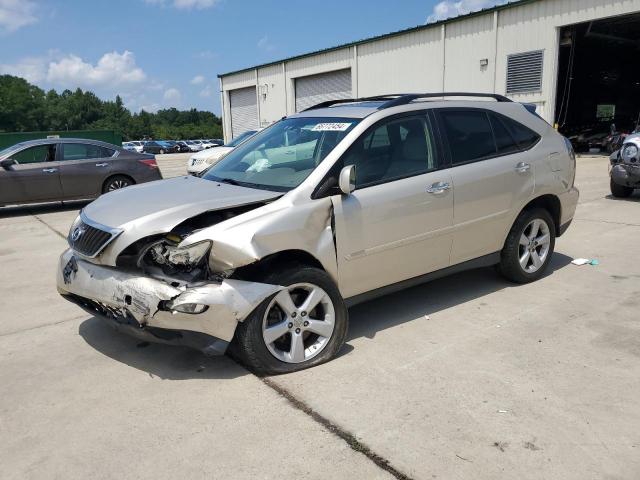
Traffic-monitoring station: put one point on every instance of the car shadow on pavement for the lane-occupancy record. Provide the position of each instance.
(635, 197)
(163, 361)
(367, 319)
(42, 208)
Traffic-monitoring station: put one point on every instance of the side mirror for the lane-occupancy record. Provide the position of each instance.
(7, 163)
(347, 179)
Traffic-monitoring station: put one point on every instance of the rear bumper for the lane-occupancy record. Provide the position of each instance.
(148, 308)
(568, 204)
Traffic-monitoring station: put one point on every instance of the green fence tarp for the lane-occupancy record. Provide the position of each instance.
(109, 136)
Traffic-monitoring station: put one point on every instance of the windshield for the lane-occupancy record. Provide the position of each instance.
(282, 156)
(240, 138)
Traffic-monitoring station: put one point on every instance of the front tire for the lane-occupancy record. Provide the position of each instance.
(299, 327)
(529, 246)
(620, 191)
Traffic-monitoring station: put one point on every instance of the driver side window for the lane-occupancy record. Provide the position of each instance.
(37, 154)
(393, 149)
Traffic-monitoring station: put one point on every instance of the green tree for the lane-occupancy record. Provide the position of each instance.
(25, 107)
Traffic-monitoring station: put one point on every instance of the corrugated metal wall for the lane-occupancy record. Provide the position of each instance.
(441, 57)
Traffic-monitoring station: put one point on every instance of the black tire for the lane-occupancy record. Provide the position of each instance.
(116, 182)
(509, 265)
(620, 191)
(249, 346)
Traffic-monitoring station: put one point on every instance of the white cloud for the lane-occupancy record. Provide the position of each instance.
(113, 69)
(15, 14)
(184, 4)
(207, 91)
(265, 44)
(172, 96)
(447, 9)
(197, 80)
(32, 69)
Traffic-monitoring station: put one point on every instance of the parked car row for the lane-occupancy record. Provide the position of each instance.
(171, 146)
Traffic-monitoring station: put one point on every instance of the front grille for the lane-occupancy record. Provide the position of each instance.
(87, 239)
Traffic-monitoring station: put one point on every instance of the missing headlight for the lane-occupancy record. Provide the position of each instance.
(172, 259)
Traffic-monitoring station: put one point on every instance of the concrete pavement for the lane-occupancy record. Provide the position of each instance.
(464, 377)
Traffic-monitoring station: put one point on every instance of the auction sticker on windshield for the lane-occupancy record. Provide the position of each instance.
(331, 127)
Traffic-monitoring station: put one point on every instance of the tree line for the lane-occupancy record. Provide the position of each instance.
(26, 108)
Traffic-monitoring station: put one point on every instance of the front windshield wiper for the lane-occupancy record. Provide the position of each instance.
(230, 181)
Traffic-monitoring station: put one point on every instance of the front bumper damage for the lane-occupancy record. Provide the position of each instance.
(145, 307)
(625, 174)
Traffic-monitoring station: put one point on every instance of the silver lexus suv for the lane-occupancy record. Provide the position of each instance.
(265, 251)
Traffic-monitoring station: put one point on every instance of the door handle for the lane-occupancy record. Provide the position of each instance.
(50, 170)
(523, 167)
(438, 188)
(101, 164)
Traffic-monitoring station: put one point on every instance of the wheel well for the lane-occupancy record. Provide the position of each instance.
(550, 203)
(263, 266)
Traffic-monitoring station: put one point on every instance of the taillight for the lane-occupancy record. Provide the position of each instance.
(149, 162)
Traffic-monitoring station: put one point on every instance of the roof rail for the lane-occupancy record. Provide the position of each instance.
(354, 100)
(393, 100)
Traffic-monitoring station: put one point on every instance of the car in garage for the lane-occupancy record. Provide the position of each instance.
(268, 250)
(205, 158)
(69, 169)
(625, 167)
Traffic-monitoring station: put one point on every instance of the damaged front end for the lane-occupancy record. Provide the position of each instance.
(625, 163)
(160, 290)
(203, 316)
(186, 271)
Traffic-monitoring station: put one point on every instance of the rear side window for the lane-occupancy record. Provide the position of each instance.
(80, 151)
(524, 137)
(505, 143)
(469, 134)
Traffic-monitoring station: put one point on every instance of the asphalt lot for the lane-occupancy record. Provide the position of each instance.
(464, 377)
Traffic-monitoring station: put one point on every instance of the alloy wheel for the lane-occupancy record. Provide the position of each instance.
(117, 185)
(298, 323)
(533, 248)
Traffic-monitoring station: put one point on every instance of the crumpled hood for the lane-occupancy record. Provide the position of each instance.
(159, 206)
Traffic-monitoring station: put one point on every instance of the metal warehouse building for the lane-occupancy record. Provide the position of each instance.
(576, 60)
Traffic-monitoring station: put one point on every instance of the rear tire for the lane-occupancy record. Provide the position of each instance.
(299, 339)
(116, 183)
(620, 191)
(529, 246)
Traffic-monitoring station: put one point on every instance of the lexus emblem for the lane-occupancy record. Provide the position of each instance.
(76, 233)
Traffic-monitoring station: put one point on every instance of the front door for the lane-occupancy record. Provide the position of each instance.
(397, 223)
(35, 177)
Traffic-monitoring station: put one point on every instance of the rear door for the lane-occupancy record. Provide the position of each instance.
(397, 223)
(491, 178)
(35, 177)
(83, 169)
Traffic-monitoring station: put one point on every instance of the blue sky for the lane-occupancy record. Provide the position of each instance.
(167, 53)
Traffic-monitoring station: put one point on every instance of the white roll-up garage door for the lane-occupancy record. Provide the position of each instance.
(320, 88)
(244, 110)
